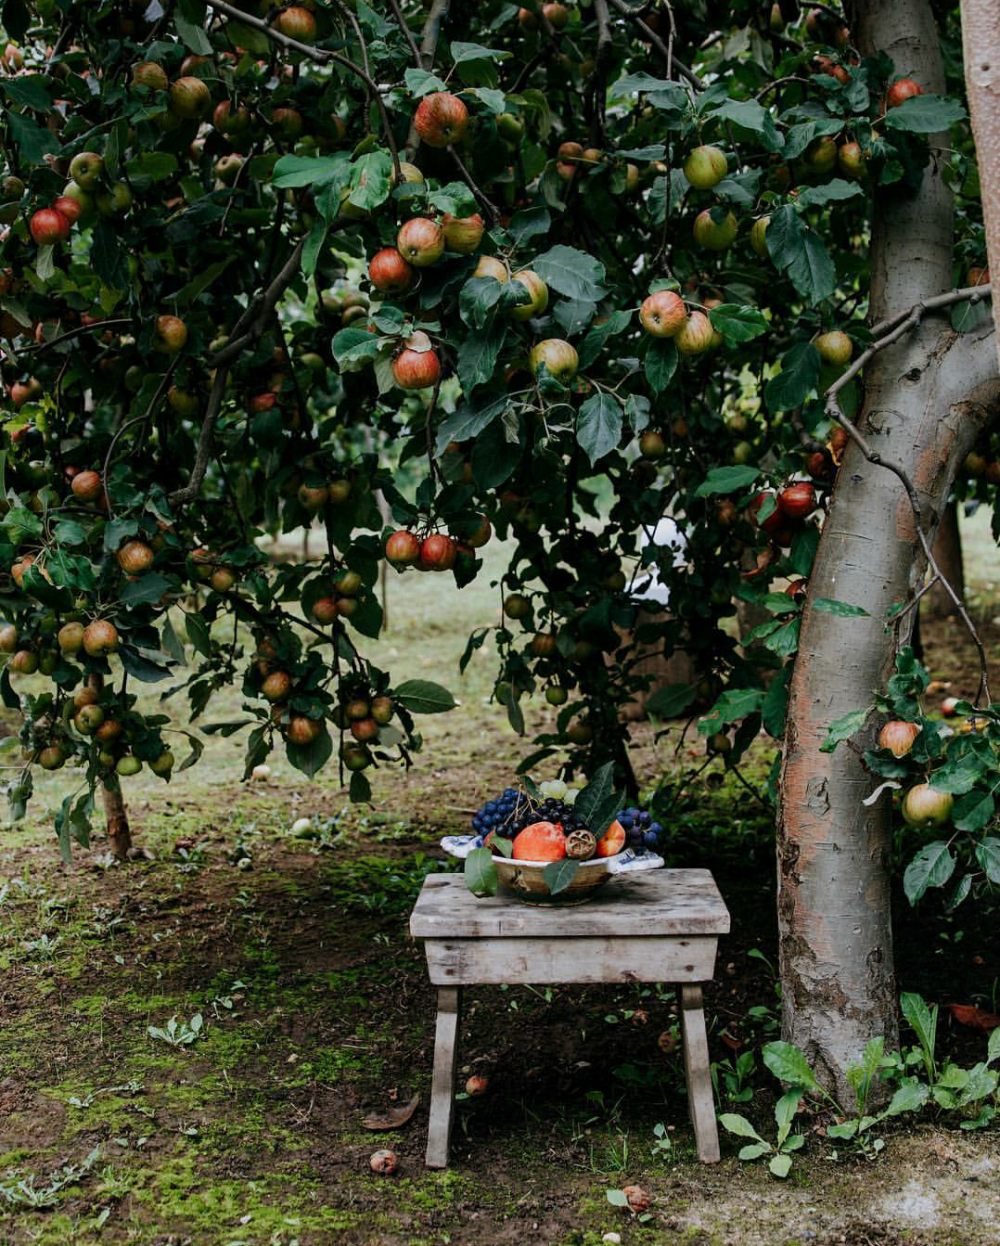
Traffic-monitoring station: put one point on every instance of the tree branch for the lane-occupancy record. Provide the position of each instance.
(650, 36)
(891, 331)
(981, 39)
(256, 316)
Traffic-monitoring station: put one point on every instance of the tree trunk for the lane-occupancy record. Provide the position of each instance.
(948, 556)
(923, 409)
(115, 813)
(981, 45)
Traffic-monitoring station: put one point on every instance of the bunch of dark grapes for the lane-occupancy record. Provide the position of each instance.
(552, 810)
(641, 832)
(506, 814)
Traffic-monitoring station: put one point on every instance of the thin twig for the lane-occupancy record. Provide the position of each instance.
(650, 36)
(258, 313)
(71, 333)
(205, 438)
(482, 200)
(407, 33)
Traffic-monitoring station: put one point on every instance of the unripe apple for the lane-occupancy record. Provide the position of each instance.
(757, 237)
(24, 662)
(190, 100)
(417, 366)
(421, 242)
(383, 710)
(86, 169)
(712, 235)
(481, 535)
(163, 764)
(570, 155)
(51, 757)
(402, 548)
(227, 168)
(556, 695)
(975, 464)
(834, 347)
(579, 732)
(821, 154)
(356, 757)
(127, 766)
(135, 557)
(88, 719)
(925, 808)
(8, 638)
(325, 611)
(303, 731)
(441, 119)
(696, 336)
(222, 579)
(231, 121)
(114, 200)
(652, 445)
(516, 606)
(389, 272)
(663, 314)
(338, 491)
(898, 737)
(850, 160)
(462, 234)
(364, 729)
(510, 128)
(313, 498)
(902, 90)
(49, 227)
(288, 122)
(538, 295)
(559, 357)
(705, 167)
(170, 335)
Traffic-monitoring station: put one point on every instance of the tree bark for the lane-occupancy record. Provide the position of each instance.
(115, 813)
(925, 401)
(948, 555)
(981, 46)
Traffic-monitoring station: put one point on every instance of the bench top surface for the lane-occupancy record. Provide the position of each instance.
(659, 903)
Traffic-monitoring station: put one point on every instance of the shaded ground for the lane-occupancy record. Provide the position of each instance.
(315, 1011)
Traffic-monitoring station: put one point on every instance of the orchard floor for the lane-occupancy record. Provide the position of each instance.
(315, 1011)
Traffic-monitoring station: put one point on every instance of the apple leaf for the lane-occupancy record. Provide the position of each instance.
(738, 323)
(661, 363)
(572, 273)
(559, 874)
(726, 480)
(931, 867)
(480, 872)
(599, 428)
(421, 696)
(799, 375)
(925, 114)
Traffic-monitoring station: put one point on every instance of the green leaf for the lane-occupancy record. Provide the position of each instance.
(910, 1097)
(478, 355)
(188, 18)
(476, 52)
(732, 706)
(988, 856)
(559, 874)
(785, 640)
(294, 171)
(925, 114)
(27, 91)
(477, 299)
(843, 729)
(922, 1020)
(780, 1166)
(726, 480)
(738, 323)
(800, 253)
(829, 605)
(472, 417)
(833, 191)
(599, 427)
(147, 588)
(310, 758)
(931, 867)
(33, 142)
(598, 802)
(353, 349)
(661, 363)
(671, 700)
(371, 180)
(739, 1125)
(751, 116)
(774, 708)
(421, 696)
(958, 775)
(249, 37)
(788, 1064)
(597, 337)
(480, 872)
(360, 790)
(573, 273)
(421, 82)
(799, 375)
(617, 1198)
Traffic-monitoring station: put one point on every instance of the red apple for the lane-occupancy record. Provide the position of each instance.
(417, 366)
(437, 552)
(774, 521)
(297, 23)
(71, 208)
(462, 234)
(389, 272)
(663, 314)
(559, 358)
(402, 548)
(798, 500)
(190, 99)
(901, 91)
(421, 242)
(48, 226)
(441, 119)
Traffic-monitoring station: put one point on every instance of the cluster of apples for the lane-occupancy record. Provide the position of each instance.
(364, 714)
(434, 551)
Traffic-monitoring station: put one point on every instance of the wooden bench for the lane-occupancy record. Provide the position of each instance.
(660, 926)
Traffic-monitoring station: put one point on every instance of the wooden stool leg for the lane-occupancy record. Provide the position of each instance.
(701, 1104)
(443, 1082)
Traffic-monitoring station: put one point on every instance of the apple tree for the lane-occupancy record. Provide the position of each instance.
(423, 274)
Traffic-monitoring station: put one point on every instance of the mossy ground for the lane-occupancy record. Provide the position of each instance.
(315, 1011)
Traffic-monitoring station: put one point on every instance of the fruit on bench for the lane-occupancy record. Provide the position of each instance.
(541, 841)
(612, 841)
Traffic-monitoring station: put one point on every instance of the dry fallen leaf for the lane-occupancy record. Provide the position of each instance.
(395, 1118)
(978, 1018)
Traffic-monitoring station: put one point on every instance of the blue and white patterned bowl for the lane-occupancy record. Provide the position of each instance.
(526, 879)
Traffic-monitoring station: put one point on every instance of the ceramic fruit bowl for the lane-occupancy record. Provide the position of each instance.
(526, 879)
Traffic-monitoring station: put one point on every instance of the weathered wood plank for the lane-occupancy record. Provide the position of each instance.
(701, 1105)
(523, 961)
(443, 1079)
(660, 902)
